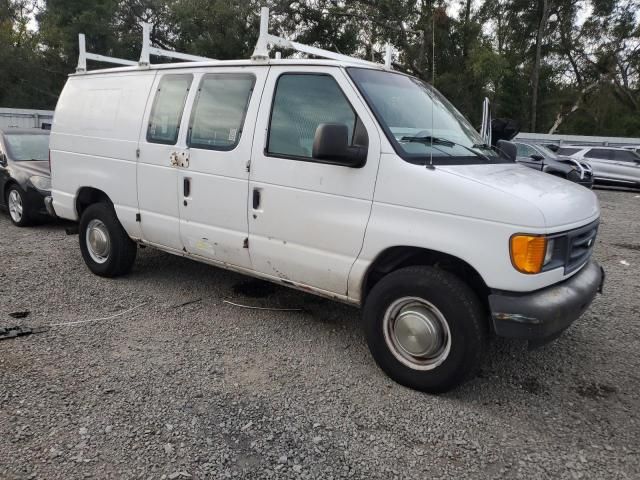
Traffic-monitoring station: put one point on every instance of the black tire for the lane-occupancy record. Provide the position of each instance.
(122, 250)
(457, 304)
(27, 218)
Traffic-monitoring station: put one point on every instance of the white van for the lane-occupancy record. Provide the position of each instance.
(335, 176)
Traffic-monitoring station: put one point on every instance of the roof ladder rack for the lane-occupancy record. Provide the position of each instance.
(84, 56)
(265, 39)
(148, 50)
(261, 52)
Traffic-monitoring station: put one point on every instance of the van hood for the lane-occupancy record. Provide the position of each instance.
(560, 201)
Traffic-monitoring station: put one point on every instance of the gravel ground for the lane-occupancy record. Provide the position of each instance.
(209, 390)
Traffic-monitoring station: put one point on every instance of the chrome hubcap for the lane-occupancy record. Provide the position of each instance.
(15, 206)
(417, 333)
(98, 241)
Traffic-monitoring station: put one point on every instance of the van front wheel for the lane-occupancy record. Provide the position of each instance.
(425, 328)
(106, 248)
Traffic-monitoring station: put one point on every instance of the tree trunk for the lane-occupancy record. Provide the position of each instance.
(466, 33)
(535, 75)
(562, 116)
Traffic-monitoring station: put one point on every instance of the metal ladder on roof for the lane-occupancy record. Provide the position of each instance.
(260, 53)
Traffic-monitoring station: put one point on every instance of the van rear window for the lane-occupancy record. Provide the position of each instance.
(166, 114)
(219, 111)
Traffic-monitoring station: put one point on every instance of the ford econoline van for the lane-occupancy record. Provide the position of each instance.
(334, 176)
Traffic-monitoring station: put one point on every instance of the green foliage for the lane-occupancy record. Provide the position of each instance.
(500, 49)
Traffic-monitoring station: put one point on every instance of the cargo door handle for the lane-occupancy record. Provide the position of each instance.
(187, 187)
(256, 199)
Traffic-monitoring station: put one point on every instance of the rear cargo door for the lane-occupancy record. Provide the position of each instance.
(162, 152)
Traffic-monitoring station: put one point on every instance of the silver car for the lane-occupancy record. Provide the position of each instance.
(611, 166)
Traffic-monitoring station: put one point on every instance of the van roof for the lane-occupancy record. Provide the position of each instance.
(232, 63)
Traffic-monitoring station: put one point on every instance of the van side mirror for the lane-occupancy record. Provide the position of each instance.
(331, 142)
(507, 150)
(3, 159)
(537, 157)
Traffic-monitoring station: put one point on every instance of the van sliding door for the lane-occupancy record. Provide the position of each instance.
(213, 188)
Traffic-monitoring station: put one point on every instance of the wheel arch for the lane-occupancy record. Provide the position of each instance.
(88, 196)
(5, 189)
(397, 257)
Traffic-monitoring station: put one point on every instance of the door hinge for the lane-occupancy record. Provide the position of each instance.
(245, 244)
(179, 159)
(249, 166)
(138, 218)
(137, 153)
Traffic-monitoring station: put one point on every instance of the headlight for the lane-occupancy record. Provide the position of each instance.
(574, 176)
(41, 183)
(531, 253)
(548, 256)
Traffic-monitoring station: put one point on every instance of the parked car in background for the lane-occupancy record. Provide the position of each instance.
(633, 148)
(611, 165)
(25, 178)
(551, 146)
(541, 158)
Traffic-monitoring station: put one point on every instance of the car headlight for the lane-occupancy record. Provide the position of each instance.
(41, 183)
(574, 176)
(531, 253)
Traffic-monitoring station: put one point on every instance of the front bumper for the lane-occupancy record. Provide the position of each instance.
(48, 205)
(35, 201)
(543, 315)
(587, 182)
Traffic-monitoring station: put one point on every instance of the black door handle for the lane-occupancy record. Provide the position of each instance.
(187, 187)
(256, 198)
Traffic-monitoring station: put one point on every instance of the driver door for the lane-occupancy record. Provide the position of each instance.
(307, 217)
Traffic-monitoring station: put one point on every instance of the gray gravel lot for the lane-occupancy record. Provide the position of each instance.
(209, 390)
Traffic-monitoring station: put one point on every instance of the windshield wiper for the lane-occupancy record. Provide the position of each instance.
(485, 146)
(429, 140)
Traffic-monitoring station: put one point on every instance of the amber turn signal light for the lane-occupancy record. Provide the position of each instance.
(528, 252)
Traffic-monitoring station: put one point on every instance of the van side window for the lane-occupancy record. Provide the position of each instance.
(301, 103)
(166, 114)
(219, 111)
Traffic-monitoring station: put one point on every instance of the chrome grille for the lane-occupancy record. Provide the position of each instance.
(580, 243)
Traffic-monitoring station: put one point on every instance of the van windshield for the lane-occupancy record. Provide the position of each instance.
(27, 146)
(422, 125)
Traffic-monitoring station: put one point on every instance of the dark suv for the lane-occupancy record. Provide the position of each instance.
(541, 158)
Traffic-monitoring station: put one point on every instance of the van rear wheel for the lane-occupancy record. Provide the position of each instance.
(425, 328)
(106, 248)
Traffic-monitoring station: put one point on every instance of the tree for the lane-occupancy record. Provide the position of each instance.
(538, 62)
